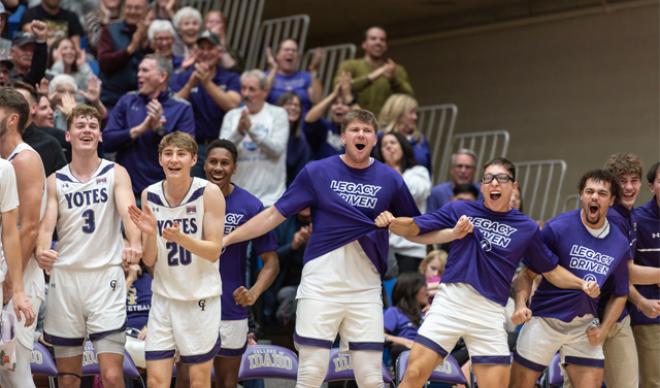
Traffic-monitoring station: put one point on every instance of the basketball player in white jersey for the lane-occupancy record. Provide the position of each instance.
(31, 184)
(182, 219)
(88, 201)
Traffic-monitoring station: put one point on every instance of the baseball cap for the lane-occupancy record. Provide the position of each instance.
(209, 36)
(22, 38)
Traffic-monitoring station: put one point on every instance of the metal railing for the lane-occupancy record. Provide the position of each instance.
(571, 202)
(333, 56)
(437, 123)
(486, 145)
(272, 32)
(540, 186)
(203, 6)
(243, 20)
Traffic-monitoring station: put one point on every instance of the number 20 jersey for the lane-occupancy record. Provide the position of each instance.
(180, 274)
(88, 224)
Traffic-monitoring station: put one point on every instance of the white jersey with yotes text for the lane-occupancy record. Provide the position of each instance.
(179, 274)
(88, 224)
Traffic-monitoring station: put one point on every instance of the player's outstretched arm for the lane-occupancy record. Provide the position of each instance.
(522, 290)
(563, 278)
(11, 245)
(598, 332)
(123, 200)
(258, 225)
(45, 256)
(210, 246)
(640, 274)
(146, 223)
(247, 297)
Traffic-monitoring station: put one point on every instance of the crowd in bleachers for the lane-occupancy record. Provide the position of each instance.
(151, 68)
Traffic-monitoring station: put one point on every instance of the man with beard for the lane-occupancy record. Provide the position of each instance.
(29, 54)
(375, 76)
(489, 241)
(588, 247)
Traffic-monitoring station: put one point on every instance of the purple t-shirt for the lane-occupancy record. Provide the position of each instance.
(240, 207)
(622, 219)
(587, 257)
(648, 254)
(487, 258)
(398, 324)
(296, 83)
(344, 203)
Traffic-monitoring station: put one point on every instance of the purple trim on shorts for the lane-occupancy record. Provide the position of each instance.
(527, 363)
(62, 341)
(158, 355)
(200, 358)
(300, 340)
(426, 342)
(223, 352)
(592, 362)
(97, 336)
(376, 346)
(504, 360)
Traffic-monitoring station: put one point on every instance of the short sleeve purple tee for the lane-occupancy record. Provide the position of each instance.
(344, 203)
(487, 258)
(587, 257)
(398, 324)
(240, 207)
(647, 254)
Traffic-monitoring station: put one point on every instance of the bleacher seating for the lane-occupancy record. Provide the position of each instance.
(272, 32)
(437, 123)
(333, 56)
(447, 372)
(540, 186)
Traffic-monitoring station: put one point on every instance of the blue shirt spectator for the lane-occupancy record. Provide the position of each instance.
(462, 171)
(140, 120)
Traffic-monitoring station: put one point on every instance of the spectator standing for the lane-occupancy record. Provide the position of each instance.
(375, 76)
(59, 21)
(260, 131)
(211, 90)
(95, 20)
(216, 22)
(161, 36)
(323, 135)
(5, 44)
(121, 47)
(70, 62)
(188, 24)
(284, 76)
(399, 114)
(297, 150)
(29, 54)
(141, 119)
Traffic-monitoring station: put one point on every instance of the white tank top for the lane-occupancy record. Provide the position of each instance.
(179, 274)
(88, 224)
(33, 276)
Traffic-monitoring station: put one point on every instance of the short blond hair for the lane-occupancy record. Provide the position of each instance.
(179, 139)
(395, 106)
(439, 254)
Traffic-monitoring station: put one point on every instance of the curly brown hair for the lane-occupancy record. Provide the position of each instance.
(624, 163)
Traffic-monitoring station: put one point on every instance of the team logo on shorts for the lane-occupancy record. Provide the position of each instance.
(113, 284)
(590, 278)
(202, 304)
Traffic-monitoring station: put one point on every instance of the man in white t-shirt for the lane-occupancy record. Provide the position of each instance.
(261, 132)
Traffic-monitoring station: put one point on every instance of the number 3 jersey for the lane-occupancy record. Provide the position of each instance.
(88, 224)
(180, 274)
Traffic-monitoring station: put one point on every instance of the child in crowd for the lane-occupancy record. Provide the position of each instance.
(432, 268)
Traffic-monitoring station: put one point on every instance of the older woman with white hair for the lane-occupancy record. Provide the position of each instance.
(64, 95)
(188, 24)
(161, 36)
